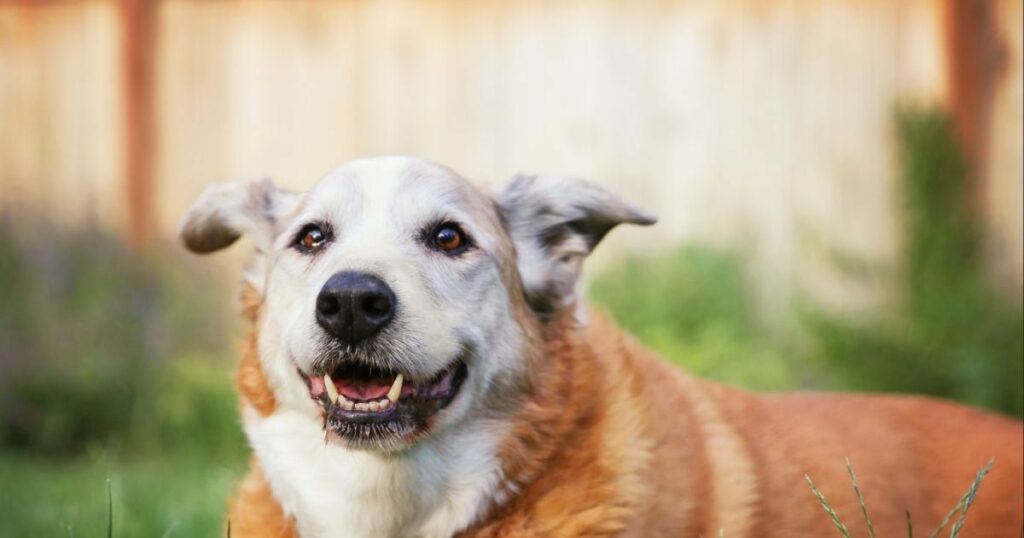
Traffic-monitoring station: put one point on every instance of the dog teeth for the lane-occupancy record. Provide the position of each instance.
(332, 391)
(396, 389)
(341, 401)
(374, 406)
(345, 403)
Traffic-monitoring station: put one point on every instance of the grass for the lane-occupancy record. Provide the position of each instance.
(173, 496)
(843, 531)
(959, 510)
(964, 504)
(134, 387)
(860, 498)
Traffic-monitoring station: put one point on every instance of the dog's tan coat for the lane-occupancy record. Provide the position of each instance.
(611, 441)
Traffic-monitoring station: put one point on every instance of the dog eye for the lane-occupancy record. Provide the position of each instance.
(450, 238)
(310, 238)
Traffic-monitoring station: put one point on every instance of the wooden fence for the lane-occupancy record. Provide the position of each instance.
(761, 126)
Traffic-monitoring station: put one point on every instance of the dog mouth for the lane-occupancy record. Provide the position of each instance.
(370, 407)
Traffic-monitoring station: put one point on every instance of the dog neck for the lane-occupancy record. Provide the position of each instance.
(572, 463)
(435, 488)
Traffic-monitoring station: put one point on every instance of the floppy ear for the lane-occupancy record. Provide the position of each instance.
(555, 222)
(226, 211)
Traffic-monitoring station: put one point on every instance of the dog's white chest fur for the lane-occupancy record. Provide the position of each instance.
(436, 489)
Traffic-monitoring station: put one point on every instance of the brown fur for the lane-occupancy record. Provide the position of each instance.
(255, 512)
(611, 441)
(250, 380)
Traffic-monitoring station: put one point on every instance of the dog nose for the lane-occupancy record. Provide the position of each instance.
(354, 306)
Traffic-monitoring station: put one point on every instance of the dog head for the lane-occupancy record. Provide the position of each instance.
(400, 300)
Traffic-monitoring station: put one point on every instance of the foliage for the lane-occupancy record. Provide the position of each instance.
(105, 348)
(954, 335)
(106, 374)
(694, 306)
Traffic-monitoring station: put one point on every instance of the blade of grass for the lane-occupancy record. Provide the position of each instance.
(959, 504)
(972, 492)
(174, 525)
(860, 498)
(110, 512)
(910, 526)
(828, 508)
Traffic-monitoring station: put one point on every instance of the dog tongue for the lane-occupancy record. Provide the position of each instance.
(364, 389)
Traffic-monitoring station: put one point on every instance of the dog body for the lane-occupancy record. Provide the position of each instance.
(421, 366)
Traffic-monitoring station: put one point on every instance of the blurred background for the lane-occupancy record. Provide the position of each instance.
(839, 184)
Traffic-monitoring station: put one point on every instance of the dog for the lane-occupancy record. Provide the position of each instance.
(420, 364)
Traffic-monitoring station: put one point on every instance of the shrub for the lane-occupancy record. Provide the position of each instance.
(105, 347)
(954, 335)
(694, 306)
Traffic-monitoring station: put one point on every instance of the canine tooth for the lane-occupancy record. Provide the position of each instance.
(332, 391)
(396, 388)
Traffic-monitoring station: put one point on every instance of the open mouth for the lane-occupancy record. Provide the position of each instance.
(368, 406)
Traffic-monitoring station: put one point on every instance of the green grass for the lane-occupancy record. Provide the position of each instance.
(170, 496)
(115, 365)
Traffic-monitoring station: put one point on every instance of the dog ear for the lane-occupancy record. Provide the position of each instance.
(226, 211)
(555, 222)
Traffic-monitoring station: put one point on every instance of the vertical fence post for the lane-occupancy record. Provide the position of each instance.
(975, 57)
(138, 27)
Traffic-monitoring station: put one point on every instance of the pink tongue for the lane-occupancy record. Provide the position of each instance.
(364, 389)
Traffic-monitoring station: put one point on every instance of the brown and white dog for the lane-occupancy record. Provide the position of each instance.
(420, 366)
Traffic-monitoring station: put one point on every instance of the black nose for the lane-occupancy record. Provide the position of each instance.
(354, 306)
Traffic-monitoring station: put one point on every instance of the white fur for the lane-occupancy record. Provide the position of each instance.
(435, 489)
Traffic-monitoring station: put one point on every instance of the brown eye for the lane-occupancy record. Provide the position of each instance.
(311, 238)
(449, 238)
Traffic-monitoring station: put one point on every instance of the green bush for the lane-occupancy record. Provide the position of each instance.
(954, 334)
(105, 348)
(695, 307)
(106, 372)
